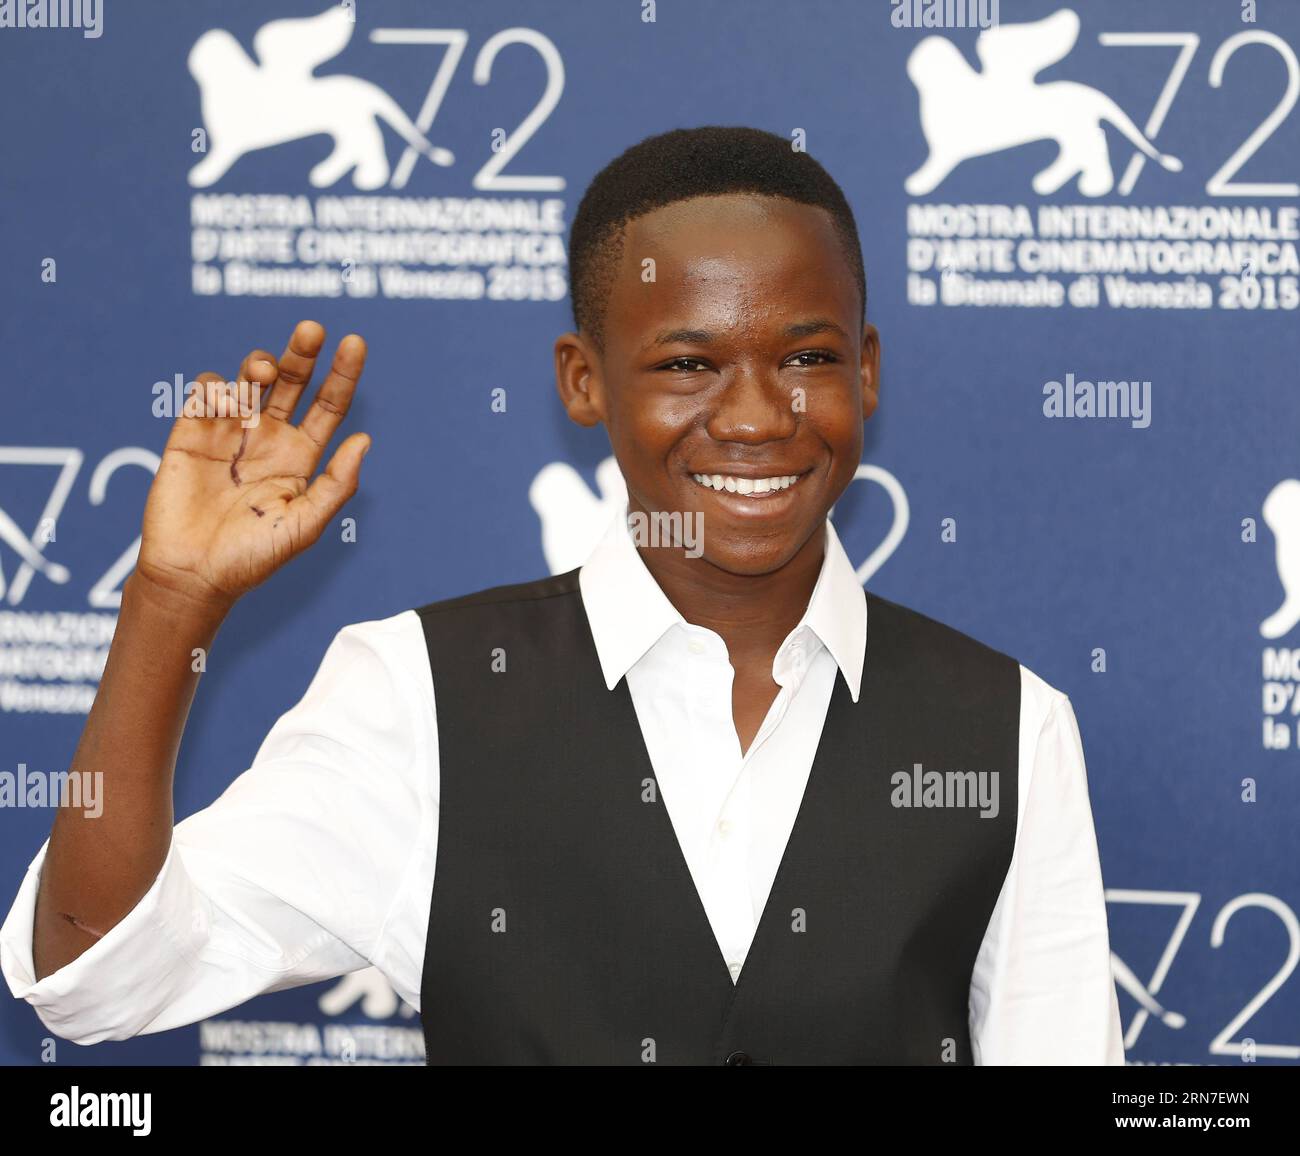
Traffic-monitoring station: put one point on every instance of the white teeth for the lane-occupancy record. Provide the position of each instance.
(746, 485)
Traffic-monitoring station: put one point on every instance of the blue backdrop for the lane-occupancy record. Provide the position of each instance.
(168, 204)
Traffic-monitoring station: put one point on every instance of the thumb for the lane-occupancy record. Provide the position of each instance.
(338, 481)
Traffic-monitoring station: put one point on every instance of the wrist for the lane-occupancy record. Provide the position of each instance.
(189, 613)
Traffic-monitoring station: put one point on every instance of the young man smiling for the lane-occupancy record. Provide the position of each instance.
(643, 812)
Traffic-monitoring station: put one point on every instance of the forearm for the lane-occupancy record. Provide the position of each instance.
(231, 503)
(99, 865)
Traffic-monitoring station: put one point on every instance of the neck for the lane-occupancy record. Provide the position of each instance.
(753, 613)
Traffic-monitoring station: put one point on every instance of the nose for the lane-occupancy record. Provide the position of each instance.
(752, 408)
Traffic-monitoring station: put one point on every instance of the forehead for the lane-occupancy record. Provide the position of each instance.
(720, 262)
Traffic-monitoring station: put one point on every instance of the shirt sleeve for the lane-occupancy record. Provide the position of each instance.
(316, 861)
(1042, 992)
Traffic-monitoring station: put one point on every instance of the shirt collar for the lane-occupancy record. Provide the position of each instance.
(629, 613)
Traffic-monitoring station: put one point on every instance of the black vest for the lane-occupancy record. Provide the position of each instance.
(565, 927)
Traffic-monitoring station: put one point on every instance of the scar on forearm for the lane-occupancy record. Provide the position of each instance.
(81, 926)
(239, 453)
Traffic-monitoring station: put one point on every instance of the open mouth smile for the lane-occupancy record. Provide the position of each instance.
(749, 487)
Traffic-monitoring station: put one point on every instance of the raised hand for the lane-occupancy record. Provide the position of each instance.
(234, 498)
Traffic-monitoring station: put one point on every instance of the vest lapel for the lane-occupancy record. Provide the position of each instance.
(633, 759)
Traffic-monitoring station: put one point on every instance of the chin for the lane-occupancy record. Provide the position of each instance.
(750, 560)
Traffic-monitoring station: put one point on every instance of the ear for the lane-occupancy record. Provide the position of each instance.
(870, 370)
(578, 379)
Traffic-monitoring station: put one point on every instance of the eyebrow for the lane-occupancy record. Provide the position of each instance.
(704, 337)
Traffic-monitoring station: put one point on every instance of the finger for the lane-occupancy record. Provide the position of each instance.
(335, 394)
(257, 374)
(295, 369)
(335, 484)
(251, 370)
(204, 400)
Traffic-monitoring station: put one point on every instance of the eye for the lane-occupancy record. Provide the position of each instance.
(684, 365)
(811, 357)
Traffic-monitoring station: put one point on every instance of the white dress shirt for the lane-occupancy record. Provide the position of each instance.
(319, 859)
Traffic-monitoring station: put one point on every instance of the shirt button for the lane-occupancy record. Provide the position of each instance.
(734, 968)
(695, 646)
(725, 829)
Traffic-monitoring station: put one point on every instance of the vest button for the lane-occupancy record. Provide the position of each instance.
(737, 1060)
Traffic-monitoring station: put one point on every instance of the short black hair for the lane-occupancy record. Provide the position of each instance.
(712, 160)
